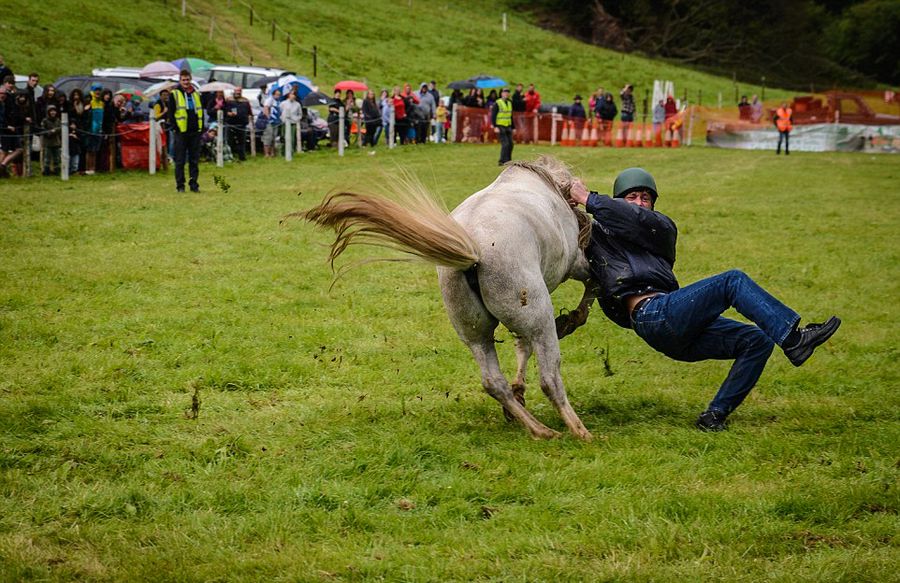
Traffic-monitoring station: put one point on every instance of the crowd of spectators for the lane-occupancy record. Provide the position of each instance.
(407, 115)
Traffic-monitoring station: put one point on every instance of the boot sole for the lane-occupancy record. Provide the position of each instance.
(829, 328)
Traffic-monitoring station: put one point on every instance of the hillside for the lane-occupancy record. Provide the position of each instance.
(385, 42)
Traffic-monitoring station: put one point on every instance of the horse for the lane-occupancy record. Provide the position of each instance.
(499, 255)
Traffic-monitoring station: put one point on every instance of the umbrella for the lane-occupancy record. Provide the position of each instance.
(216, 86)
(354, 86)
(465, 84)
(289, 83)
(157, 88)
(316, 98)
(159, 69)
(193, 64)
(487, 82)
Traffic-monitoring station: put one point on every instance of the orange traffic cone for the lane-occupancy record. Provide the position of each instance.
(594, 136)
(676, 139)
(564, 138)
(648, 136)
(585, 136)
(620, 141)
(629, 135)
(668, 138)
(657, 137)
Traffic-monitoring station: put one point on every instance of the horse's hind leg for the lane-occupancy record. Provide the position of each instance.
(475, 326)
(523, 353)
(495, 384)
(546, 348)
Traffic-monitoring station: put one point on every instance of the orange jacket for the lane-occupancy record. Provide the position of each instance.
(783, 119)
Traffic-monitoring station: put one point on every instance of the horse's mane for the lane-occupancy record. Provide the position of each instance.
(559, 178)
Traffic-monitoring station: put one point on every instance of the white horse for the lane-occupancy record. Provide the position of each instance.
(499, 255)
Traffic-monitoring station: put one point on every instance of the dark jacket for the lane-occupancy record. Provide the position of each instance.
(371, 112)
(632, 251)
(607, 110)
(242, 112)
(518, 101)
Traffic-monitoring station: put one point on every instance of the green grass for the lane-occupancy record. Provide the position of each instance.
(344, 435)
(387, 42)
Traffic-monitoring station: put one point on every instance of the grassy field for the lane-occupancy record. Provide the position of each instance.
(344, 436)
(384, 42)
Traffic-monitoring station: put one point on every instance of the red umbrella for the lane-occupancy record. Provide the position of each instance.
(355, 86)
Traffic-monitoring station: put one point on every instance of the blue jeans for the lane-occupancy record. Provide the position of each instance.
(687, 325)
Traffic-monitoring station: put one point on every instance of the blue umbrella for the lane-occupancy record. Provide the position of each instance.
(289, 82)
(487, 82)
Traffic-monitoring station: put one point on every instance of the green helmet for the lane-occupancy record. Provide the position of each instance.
(634, 179)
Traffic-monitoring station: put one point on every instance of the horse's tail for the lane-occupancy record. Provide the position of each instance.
(416, 223)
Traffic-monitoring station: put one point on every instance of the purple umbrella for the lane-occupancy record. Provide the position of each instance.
(159, 70)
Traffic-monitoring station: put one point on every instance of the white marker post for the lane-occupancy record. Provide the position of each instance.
(392, 130)
(151, 154)
(288, 145)
(64, 157)
(340, 136)
(453, 122)
(220, 140)
(553, 127)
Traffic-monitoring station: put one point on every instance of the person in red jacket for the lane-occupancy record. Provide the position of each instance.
(532, 100)
(401, 124)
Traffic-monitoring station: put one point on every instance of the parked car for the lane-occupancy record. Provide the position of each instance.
(249, 79)
(84, 82)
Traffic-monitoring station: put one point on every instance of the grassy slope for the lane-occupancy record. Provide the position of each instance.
(324, 416)
(384, 42)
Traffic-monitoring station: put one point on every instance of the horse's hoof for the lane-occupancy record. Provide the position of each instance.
(585, 436)
(509, 416)
(545, 433)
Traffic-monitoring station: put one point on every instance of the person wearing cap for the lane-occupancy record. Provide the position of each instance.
(576, 111)
(186, 121)
(631, 255)
(502, 120)
(94, 107)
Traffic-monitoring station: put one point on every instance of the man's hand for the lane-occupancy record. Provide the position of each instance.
(578, 193)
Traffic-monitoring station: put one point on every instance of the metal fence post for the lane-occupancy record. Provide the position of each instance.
(453, 122)
(300, 133)
(152, 145)
(288, 146)
(252, 138)
(220, 139)
(393, 129)
(553, 127)
(340, 136)
(64, 157)
(26, 151)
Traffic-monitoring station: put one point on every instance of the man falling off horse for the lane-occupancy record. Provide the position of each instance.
(631, 255)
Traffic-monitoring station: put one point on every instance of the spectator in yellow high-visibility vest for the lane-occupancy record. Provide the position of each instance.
(186, 120)
(502, 120)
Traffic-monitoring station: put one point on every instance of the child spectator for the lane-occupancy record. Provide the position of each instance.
(442, 119)
(51, 140)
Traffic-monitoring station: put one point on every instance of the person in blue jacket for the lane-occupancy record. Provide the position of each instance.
(632, 253)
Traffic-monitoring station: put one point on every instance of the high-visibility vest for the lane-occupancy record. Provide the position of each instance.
(504, 113)
(181, 115)
(783, 119)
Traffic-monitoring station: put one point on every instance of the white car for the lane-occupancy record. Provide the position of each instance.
(252, 80)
